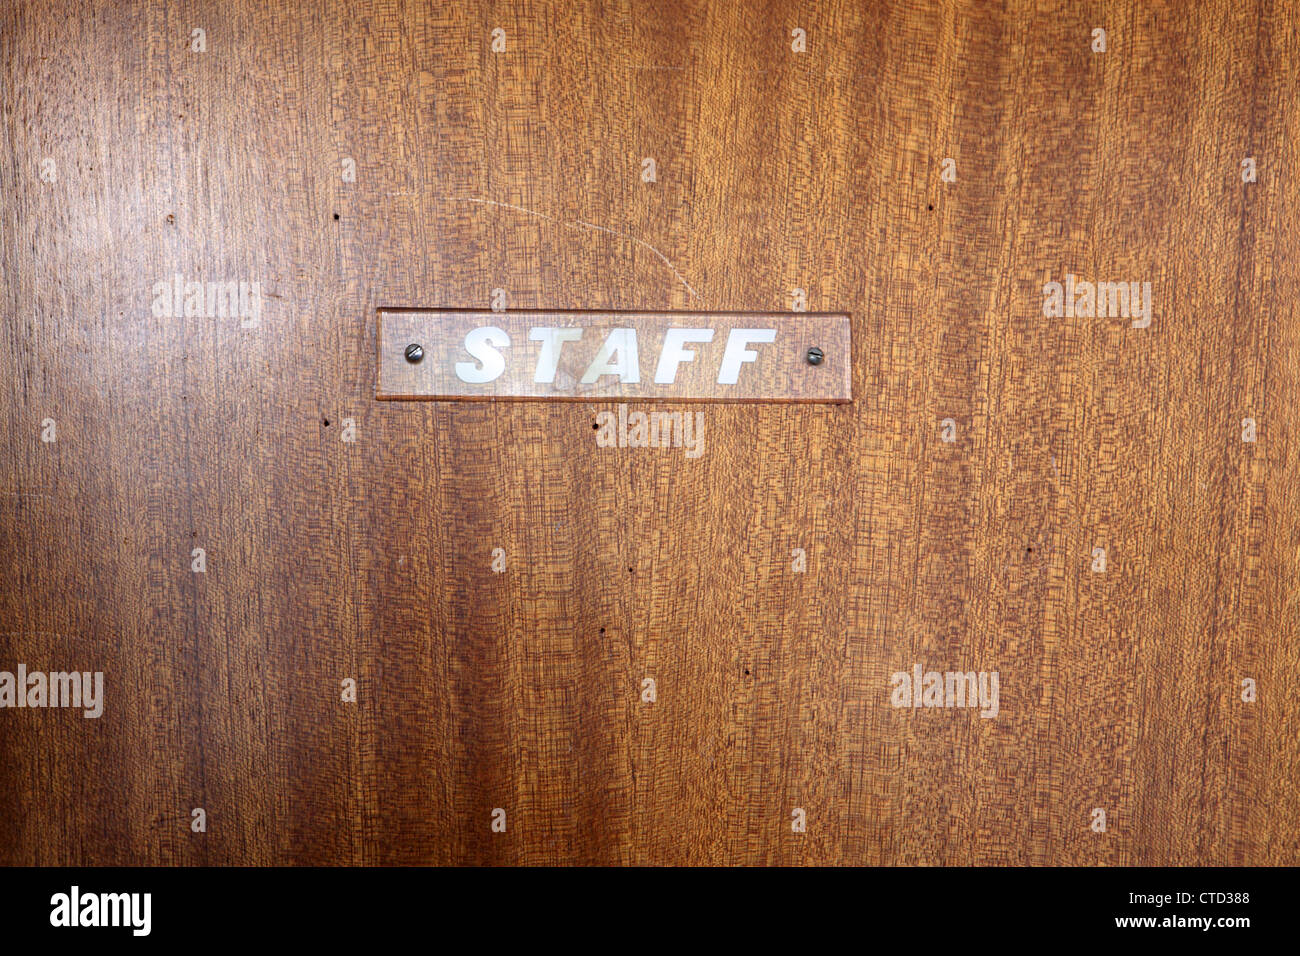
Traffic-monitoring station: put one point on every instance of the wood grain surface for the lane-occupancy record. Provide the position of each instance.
(128, 157)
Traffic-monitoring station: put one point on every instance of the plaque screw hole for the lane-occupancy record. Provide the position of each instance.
(415, 353)
(815, 356)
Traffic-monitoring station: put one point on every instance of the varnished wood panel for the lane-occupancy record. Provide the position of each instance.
(128, 157)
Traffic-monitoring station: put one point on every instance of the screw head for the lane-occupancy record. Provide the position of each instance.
(414, 353)
(815, 356)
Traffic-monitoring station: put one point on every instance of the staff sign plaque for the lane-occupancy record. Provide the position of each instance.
(452, 355)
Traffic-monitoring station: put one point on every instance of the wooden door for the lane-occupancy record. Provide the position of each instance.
(202, 500)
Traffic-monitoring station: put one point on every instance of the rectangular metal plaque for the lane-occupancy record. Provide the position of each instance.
(457, 354)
